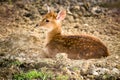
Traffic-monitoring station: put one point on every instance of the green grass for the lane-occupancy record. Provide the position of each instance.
(32, 75)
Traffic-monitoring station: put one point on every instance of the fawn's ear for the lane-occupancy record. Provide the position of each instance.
(48, 8)
(61, 15)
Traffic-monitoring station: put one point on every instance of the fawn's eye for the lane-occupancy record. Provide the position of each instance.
(46, 20)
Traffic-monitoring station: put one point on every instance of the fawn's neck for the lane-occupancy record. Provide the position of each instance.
(52, 33)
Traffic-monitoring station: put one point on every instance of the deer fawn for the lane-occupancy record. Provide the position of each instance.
(75, 46)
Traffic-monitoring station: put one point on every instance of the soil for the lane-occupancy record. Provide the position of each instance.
(21, 42)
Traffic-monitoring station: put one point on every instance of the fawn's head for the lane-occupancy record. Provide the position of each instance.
(52, 20)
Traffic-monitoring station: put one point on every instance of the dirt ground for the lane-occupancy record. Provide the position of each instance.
(21, 45)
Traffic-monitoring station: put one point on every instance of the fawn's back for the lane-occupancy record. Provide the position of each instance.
(76, 46)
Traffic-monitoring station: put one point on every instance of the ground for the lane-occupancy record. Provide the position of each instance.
(21, 45)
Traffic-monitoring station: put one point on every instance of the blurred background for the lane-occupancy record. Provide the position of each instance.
(20, 40)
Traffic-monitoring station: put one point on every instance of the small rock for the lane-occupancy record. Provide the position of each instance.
(76, 26)
(61, 55)
(70, 18)
(96, 10)
(77, 7)
(115, 71)
(101, 71)
(86, 25)
(95, 73)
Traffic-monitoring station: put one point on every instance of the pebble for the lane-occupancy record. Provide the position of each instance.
(115, 71)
